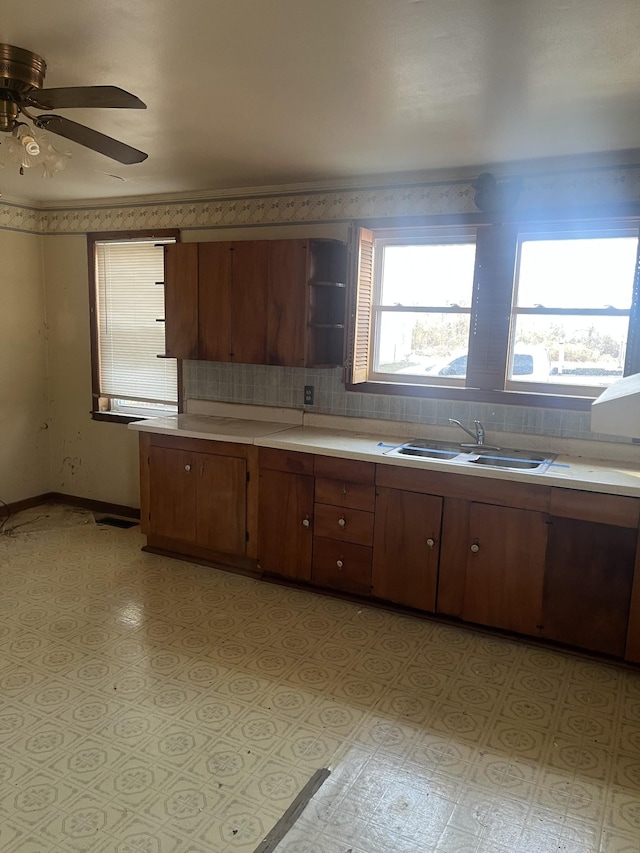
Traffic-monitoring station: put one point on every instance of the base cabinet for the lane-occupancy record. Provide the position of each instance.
(588, 584)
(197, 499)
(406, 549)
(505, 564)
(557, 564)
(200, 498)
(286, 524)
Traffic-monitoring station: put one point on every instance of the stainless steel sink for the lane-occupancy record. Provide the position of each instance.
(491, 457)
(517, 459)
(428, 449)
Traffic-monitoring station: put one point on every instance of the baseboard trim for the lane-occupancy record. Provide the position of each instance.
(95, 506)
(74, 500)
(27, 503)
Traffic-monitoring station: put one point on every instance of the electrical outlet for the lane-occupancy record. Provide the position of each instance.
(308, 395)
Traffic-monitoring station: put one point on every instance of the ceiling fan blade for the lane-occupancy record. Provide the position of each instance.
(83, 96)
(90, 139)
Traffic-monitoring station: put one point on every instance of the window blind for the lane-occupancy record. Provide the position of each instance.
(129, 305)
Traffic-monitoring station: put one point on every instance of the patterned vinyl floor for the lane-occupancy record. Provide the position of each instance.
(153, 706)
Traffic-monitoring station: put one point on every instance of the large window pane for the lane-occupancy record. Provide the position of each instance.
(423, 344)
(577, 273)
(579, 350)
(428, 274)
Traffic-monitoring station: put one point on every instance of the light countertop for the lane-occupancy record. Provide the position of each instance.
(238, 430)
(371, 443)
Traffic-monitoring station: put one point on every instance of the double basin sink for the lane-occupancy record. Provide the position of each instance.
(486, 455)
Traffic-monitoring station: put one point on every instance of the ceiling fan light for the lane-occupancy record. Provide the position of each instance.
(30, 145)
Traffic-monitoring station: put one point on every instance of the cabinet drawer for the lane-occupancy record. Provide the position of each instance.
(341, 565)
(350, 470)
(344, 493)
(591, 506)
(345, 525)
(285, 460)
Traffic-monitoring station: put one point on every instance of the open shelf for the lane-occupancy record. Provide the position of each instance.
(326, 303)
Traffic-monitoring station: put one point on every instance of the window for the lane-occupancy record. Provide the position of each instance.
(129, 379)
(495, 311)
(573, 296)
(421, 311)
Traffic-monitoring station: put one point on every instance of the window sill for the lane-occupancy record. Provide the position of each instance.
(475, 395)
(114, 418)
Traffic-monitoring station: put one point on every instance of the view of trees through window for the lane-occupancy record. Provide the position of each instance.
(570, 319)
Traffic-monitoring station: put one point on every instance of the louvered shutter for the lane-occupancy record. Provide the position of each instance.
(361, 299)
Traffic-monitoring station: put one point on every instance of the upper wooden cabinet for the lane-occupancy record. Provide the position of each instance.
(256, 302)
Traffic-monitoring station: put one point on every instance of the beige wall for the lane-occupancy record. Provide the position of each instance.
(24, 444)
(89, 459)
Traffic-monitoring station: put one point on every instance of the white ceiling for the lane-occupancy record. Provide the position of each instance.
(245, 93)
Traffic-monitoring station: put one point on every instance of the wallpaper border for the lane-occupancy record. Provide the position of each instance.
(573, 188)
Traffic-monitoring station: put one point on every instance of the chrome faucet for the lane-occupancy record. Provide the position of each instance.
(478, 436)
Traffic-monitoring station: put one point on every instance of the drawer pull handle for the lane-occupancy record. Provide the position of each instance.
(431, 542)
(342, 522)
(187, 467)
(339, 564)
(306, 522)
(475, 548)
(344, 490)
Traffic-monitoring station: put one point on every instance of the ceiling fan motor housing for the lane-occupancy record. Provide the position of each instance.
(20, 70)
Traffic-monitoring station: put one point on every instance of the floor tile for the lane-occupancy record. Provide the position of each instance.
(148, 704)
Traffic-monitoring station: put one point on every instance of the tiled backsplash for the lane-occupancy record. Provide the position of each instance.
(283, 386)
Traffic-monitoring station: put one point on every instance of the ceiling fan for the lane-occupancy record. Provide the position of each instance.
(21, 78)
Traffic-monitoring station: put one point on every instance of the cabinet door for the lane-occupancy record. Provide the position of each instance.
(406, 547)
(181, 300)
(214, 301)
(286, 305)
(505, 568)
(221, 503)
(285, 524)
(172, 493)
(588, 579)
(249, 284)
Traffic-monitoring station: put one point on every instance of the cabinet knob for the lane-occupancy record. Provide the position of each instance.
(187, 467)
(475, 548)
(306, 522)
(430, 542)
(339, 564)
(342, 522)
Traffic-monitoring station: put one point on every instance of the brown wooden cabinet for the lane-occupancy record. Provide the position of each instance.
(406, 548)
(553, 563)
(343, 524)
(197, 499)
(505, 563)
(285, 514)
(632, 649)
(589, 569)
(254, 301)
